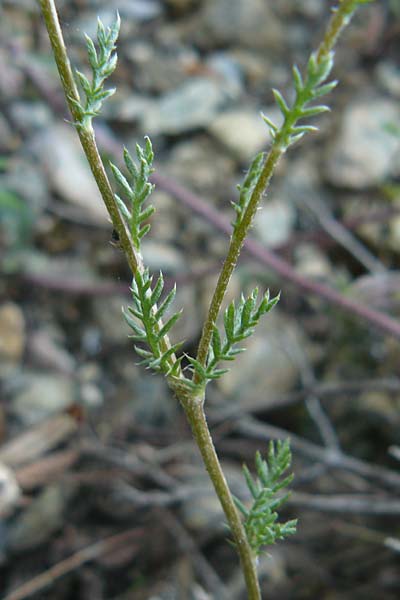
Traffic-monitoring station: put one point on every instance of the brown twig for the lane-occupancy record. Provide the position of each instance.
(47, 578)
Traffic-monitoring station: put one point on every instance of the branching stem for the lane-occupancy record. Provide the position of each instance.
(193, 403)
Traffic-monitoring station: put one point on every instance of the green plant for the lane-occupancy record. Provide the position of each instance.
(261, 519)
(252, 528)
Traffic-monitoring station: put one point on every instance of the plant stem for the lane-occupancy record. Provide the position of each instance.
(338, 21)
(194, 411)
(88, 142)
(193, 406)
(86, 134)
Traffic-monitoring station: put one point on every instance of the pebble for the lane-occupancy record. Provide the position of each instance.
(198, 164)
(42, 395)
(241, 131)
(109, 317)
(58, 149)
(162, 257)
(266, 368)
(251, 23)
(275, 222)
(366, 152)
(312, 263)
(12, 337)
(9, 491)
(40, 520)
(191, 106)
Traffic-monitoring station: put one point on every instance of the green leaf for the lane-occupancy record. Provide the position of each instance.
(281, 102)
(170, 323)
(261, 519)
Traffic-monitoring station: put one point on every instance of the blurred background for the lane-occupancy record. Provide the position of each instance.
(102, 493)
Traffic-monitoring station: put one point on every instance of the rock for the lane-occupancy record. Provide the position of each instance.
(159, 72)
(198, 164)
(241, 131)
(140, 10)
(267, 368)
(366, 152)
(108, 314)
(249, 23)
(12, 337)
(45, 351)
(30, 116)
(388, 75)
(153, 404)
(274, 222)
(194, 104)
(165, 225)
(42, 395)
(58, 149)
(40, 520)
(312, 263)
(12, 77)
(9, 491)
(229, 70)
(126, 107)
(162, 257)
(25, 180)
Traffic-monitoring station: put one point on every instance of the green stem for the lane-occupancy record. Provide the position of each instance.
(88, 142)
(193, 406)
(338, 21)
(194, 411)
(86, 134)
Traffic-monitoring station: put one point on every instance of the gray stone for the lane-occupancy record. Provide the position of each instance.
(42, 395)
(108, 314)
(241, 131)
(9, 491)
(267, 367)
(312, 263)
(140, 10)
(30, 116)
(250, 23)
(40, 520)
(159, 72)
(162, 257)
(388, 75)
(191, 106)
(62, 158)
(229, 70)
(366, 152)
(198, 164)
(275, 221)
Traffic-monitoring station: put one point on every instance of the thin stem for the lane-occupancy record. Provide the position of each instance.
(338, 21)
(86, 134)
(88, 141)
(195, 414)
